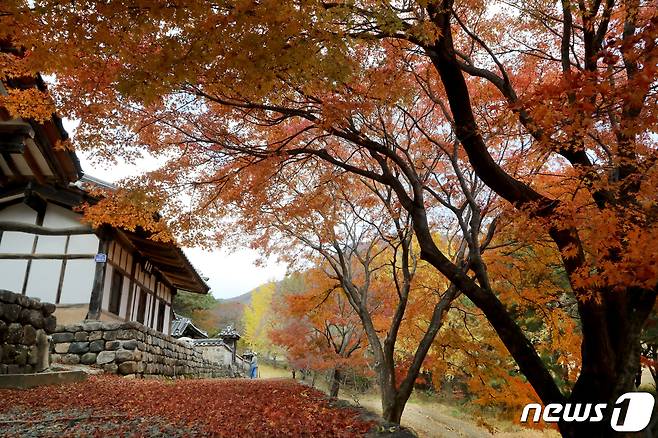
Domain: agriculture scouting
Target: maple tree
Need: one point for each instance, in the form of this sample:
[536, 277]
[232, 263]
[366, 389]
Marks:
[320, 331]
[233, 92]
[360, 237]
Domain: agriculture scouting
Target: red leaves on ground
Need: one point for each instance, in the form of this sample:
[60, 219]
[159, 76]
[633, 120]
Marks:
[211, 407]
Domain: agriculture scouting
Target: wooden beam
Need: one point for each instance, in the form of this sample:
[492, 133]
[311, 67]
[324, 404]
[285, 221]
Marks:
[12, 144]
[69, 197]
[32, 163]
[46, 147]
[96, 300]
[62, 272]
[16, 127]
[16, 256]
[36, 203]
[12, 166]
[146, 241]
[43, 231]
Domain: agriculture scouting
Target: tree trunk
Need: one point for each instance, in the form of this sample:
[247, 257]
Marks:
[392, 403]
[392, 408]
[335, 382]
[609, 372]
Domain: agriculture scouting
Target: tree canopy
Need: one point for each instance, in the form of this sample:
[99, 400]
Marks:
[547, 109]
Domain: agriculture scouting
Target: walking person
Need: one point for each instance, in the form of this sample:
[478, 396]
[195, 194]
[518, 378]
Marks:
[253, 367]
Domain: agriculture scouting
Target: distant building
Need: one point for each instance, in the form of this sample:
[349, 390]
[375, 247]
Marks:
[46, 252]
[223, 349]
[215, 350]
[183, 327]
[230, 337]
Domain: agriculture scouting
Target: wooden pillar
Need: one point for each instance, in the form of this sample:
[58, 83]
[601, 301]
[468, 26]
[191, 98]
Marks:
[96, 300]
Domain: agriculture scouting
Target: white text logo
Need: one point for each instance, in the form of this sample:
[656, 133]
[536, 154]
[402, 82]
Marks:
[639, 406]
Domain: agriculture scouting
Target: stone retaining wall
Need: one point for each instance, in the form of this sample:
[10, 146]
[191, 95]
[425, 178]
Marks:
[130, 349]
[24, 327]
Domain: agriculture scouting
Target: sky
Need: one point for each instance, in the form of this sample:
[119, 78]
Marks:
[230, 273]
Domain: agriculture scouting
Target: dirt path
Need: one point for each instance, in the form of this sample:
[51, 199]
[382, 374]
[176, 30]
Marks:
[437, 421]
[428, 419]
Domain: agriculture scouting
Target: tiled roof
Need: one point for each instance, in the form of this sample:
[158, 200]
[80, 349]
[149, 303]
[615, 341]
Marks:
[211, 342]
[229, 332]
[181, 324]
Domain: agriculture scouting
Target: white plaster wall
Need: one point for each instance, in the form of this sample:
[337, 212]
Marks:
[51, 244]
[123, 306]
[124, 260]
[137, 295]
[12, 275]
[15, 242]
[147, 317]
[216, 354]
[19, 213]
[132, 304]
[154, 323]
[60, 217]
[107, 285]
[167, 322]
[83, 244]
[44, 279]
[78, 281]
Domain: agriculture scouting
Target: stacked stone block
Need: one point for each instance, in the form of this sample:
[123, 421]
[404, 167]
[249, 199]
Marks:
[24, 327]
[130, 349]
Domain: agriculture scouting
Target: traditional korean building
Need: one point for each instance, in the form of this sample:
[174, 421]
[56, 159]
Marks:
[223, 349]
[230, 337]
[215, 350]
[46, 252]
[183, 327]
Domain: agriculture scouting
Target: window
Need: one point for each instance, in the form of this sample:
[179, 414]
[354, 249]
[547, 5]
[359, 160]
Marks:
[115, 291]
[141, 309]
[161, 314]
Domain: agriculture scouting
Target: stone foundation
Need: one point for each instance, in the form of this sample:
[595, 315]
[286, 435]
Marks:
[130, 349]
[24, 327]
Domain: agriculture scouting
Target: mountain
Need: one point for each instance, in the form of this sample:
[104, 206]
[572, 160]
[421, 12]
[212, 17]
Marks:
[245, 298]
[212, 314]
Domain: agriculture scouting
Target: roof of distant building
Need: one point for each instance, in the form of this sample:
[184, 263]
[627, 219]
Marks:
[229, 333]
[211, 342]
[183, 326]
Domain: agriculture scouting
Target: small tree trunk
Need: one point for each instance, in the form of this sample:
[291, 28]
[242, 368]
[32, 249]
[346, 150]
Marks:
[392, 409]
[335, 383]
[392, 405]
